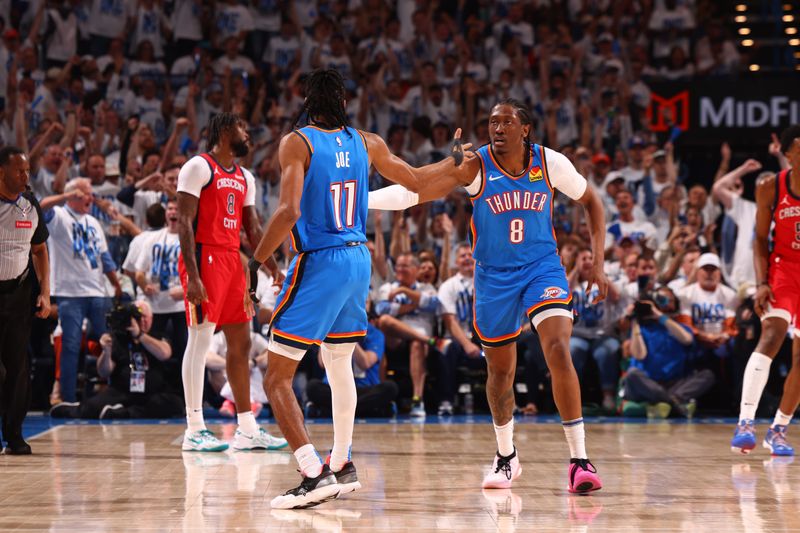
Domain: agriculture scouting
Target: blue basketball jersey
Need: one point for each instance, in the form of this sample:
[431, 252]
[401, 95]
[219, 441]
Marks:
[512, 216]
[335, 192]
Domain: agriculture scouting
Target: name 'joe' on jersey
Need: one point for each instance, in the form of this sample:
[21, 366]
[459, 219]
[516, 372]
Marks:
[512, 216]
[335, 191]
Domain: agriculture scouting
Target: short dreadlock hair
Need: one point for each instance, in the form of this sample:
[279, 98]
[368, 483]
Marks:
[220, 123]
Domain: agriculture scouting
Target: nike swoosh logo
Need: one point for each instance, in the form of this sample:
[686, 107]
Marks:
[493, 178]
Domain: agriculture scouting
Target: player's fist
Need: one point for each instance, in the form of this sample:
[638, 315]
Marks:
[762, 299]
[751, 165]
[196, 292]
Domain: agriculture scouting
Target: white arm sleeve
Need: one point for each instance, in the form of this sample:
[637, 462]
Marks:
[392, 198]
[194, 175]
[474, 187]
[250, 195]
[563, 175]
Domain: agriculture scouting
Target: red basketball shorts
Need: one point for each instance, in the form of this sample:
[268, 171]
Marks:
[222, 274]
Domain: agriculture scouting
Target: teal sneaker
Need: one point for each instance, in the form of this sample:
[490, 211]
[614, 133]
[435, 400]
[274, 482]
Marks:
[202, 441]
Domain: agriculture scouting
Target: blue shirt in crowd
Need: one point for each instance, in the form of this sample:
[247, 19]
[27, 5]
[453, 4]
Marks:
[667, 359]
[372, 342]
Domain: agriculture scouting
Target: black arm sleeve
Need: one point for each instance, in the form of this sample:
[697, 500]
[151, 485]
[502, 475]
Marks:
[41, 234]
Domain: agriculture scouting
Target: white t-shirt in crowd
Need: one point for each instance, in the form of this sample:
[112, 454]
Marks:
[743, 213]
[147, 27]
[186, 20]
[141, 201]
[76, 244]
[281, 52]
[420, 320]
[107, 18]
[638, 230]
[237, 65]
[232, 20]
[42, 182]
[159, 262]
[456, 296]
[137, 245]
[708, 310]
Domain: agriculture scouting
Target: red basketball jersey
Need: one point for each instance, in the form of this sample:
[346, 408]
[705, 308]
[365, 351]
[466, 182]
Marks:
[786, 217]
[219, 211]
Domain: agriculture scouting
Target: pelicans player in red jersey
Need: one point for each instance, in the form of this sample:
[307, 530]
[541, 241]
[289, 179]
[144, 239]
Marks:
[777, 300]
[216, 199]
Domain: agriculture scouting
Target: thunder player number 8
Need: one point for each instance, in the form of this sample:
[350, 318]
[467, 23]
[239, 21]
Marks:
[516, 230]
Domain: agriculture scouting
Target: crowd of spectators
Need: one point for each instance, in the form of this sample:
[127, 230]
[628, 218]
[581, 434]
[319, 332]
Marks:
[110, 97]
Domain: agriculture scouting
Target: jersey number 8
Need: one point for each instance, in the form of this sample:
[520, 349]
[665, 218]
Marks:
[516, 230]
[231, 207]
[349, 203]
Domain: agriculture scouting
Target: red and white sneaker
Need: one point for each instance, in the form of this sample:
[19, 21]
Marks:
[228, 409]
[583, 477]
[504, 471]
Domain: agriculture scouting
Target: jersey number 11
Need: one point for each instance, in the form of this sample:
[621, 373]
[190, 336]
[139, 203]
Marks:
[349, 207]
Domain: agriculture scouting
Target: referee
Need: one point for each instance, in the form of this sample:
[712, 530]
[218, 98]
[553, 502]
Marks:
[22, 242]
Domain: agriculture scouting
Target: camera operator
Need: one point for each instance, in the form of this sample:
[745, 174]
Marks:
[660, 371]
[132, 361]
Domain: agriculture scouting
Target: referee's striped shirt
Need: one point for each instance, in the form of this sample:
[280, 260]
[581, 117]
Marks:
[21, 225]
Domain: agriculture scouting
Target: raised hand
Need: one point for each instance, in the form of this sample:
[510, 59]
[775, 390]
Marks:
[751, 165]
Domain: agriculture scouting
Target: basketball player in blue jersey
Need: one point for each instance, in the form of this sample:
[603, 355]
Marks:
[323, 210]
[518, 272]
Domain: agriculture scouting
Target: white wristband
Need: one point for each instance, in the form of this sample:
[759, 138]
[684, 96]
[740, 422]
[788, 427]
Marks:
[393, 198]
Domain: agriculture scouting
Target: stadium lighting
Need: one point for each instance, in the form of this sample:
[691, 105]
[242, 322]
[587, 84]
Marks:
[787, 7]
[754, 68]
[788, 18]
[747, 42]
[744, 31]
[794, 42]
[741, 8]
[740, 18]
[791, 31]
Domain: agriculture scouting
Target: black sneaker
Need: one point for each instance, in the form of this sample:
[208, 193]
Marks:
[310, 492]
[347, 478]
[18, 446]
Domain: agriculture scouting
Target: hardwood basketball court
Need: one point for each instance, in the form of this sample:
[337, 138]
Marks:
[415, 477]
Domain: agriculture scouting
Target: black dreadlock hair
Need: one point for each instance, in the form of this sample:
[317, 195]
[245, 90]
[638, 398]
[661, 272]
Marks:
[788, 136]
[218, 124]
[524, 115]
[324, 103]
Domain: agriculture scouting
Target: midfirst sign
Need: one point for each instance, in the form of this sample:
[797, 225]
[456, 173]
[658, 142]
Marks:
[714, 110]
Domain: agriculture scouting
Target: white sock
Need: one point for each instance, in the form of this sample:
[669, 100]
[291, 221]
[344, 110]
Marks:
[194, 420]
[247, 423]
[309, 461]
[505, 438]
[781, 419]
[193, 371]
[338, 360]
[756, 374]
[576, 438]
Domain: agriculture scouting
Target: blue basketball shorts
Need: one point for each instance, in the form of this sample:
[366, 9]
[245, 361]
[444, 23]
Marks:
[324, 298]
[503, 296]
